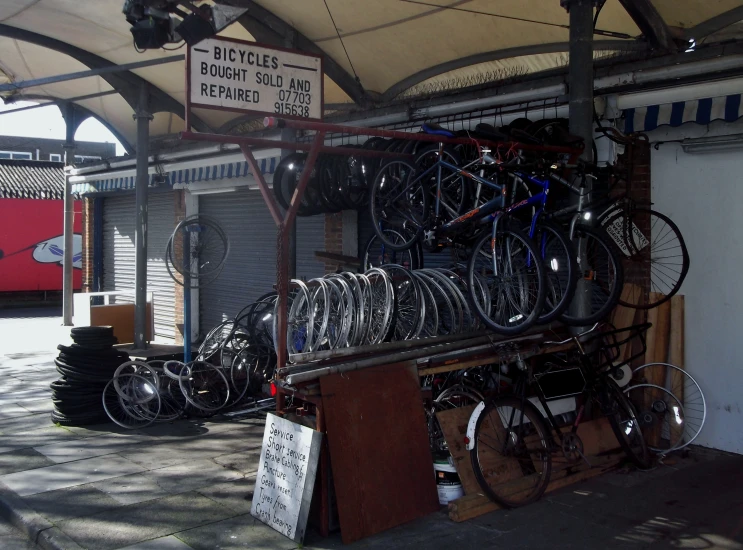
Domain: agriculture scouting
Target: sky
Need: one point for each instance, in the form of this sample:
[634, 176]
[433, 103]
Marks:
[47, 122]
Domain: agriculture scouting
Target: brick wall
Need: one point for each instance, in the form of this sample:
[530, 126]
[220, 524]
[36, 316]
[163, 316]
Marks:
[333, 238]
[180, 214]
[87, 260]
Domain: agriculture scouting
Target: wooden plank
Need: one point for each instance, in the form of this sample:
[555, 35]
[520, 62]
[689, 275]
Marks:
[623, 317]
[454, 427]
[676, 357]
[597, 436]
[471, 506]
[657, 352]
[379, 449]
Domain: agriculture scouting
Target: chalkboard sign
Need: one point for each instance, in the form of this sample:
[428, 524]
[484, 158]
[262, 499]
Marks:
[286, 476]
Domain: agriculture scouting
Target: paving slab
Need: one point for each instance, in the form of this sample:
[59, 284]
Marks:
[24, 459]
[78, 449]
[44, 405]
[236, 495]
[245, 461]
[144, 521]
[12, 539]
[238, 532]
[132, 488]
[163, 543]
[192, 475]
[26, 423]
[70, 503]
[34, 438]
[69, 474]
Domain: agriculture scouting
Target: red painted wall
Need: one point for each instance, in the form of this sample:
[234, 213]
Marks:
[31, 245]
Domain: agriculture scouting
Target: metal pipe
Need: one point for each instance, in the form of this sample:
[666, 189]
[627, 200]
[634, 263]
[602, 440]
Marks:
[289, 135]
[143, 118]
[410, 355]
[69, 219]
[580, 78]
[14, 86]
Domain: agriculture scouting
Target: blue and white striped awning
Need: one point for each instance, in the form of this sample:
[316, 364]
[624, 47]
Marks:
[701, 111]
[192, 175]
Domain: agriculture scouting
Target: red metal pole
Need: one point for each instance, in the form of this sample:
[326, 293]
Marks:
[273, 122]
[304, 179]
[273, 206]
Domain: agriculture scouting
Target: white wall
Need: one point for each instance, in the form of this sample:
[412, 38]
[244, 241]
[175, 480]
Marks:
[703, 194]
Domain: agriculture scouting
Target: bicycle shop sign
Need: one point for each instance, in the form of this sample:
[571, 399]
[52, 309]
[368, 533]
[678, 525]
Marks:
[234, 75]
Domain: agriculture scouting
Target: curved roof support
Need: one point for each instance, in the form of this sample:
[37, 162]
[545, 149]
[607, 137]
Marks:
[270, 29]
[651, 24]
[127, 83]
[717, 23]
[85, 114]
[556, 47]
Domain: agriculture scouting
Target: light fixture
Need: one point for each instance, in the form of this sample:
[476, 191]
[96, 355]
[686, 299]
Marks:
[712, 144]
[213, 191]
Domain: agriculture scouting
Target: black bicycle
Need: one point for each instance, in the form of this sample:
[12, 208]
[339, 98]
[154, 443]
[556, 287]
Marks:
[511, 446]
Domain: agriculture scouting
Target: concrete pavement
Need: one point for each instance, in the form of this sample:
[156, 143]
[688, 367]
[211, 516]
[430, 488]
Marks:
[189, 484]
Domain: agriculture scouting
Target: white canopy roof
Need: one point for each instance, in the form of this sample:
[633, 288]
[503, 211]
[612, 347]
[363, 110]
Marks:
[381, 49]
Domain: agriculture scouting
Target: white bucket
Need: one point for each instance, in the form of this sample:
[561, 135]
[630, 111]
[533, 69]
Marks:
[447, 482]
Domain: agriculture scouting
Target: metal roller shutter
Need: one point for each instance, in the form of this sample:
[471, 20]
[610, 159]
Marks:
[310, 238]
[118, 258]
[250, 269]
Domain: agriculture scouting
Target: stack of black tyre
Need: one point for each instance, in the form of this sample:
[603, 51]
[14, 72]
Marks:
[86, 367]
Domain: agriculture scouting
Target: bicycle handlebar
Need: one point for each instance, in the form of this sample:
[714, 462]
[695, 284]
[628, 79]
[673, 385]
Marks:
[590, 330]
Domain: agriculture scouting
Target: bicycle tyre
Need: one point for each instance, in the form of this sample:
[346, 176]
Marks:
[524, 314]
[509, 490]
[623, 414]
[455, 193]
[399, 173]
[552, 241]
[610, 289]
[661, 273]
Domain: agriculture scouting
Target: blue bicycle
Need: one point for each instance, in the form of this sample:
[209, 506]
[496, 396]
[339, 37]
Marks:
[515, 279]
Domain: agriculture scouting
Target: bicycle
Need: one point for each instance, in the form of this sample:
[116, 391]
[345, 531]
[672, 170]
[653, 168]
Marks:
[512, 448]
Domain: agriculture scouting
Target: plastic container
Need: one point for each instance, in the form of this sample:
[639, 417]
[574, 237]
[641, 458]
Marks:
[448, 484]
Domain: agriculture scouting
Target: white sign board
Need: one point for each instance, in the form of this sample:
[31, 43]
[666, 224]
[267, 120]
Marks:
[242, 76]
[286, 476]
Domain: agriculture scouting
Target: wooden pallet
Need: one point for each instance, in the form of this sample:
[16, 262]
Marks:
[476, 504]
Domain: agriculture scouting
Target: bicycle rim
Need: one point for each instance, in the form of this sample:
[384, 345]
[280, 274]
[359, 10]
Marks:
[603, 276]
[511, 455]
[626, 425]
[561, 270]
[655, 257]
[514, 274]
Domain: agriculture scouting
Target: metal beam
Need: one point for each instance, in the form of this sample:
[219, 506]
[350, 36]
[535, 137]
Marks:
[54, 101]
[396, 89]
[270, 29]
[13, 86]
[85, 113]
[127, 82]
[714, 24]
[143, 117]
[71, 125]
[650, 23]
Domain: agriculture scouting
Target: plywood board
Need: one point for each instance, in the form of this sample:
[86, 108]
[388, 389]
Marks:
[378, 439]
[454, 427]
[657, 352]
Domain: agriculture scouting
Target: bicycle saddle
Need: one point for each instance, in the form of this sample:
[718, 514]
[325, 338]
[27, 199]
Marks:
[435, 129]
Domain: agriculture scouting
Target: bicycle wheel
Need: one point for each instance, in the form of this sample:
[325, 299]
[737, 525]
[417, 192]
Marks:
[603, 275]
[409, 303]
[429, 323]
[514, 274]
[625, 424]
[686, 390]
[655, 257]
[398, 201]
[377, 254]
[561, 269]
[511, 456]
[382, 297]
[661, 415]
[205, 386]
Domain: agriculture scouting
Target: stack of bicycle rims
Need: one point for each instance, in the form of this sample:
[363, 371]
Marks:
[86, 366]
